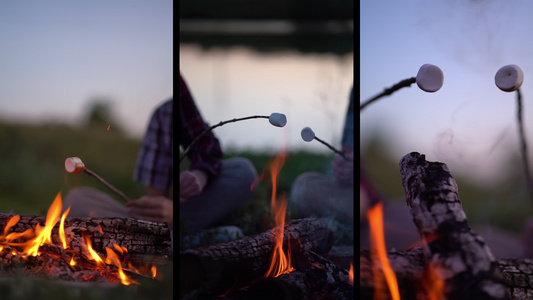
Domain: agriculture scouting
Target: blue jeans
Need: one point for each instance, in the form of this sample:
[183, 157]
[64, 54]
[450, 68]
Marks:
[225, 194]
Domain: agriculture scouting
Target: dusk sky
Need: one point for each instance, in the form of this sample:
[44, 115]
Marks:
[57, 55]
[469, 123]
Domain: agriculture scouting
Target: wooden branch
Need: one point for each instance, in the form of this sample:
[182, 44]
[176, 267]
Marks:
[139, 237]
[229, 266]
[458, 255]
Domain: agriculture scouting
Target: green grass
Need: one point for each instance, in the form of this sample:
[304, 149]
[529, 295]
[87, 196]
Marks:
[32, 160]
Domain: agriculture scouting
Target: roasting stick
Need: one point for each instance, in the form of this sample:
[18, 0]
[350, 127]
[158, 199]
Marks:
[308, 135]
[429, 79]
[75, 165]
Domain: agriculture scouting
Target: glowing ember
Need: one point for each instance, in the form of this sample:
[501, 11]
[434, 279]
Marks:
[31, 241]
[72, 262]
[112, 258]
[350, 274]
[153, 270]
[377, 244]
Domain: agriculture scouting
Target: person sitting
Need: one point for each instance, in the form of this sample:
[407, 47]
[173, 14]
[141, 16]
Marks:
[153, 168]
[317, 194]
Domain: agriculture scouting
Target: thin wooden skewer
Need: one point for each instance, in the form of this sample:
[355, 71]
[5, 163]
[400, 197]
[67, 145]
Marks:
[75, 165]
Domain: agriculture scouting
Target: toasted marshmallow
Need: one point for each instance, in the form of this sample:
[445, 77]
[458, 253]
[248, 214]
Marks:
[74, 165]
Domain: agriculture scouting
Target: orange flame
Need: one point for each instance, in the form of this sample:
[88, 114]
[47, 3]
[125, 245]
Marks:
[44, 235]
[433, 282]
[30, 241]
[112, 258]
[94, 255]
[350, 274]
[377, 243]
[281, 262]
[62, 228]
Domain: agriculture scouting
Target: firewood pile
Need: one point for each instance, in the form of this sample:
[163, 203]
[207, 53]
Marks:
[236, 270]
[453, 261]
[96, 250]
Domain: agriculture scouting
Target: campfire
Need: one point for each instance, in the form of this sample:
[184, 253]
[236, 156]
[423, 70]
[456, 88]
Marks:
[285, 262]
[452, 261]
[81, 249]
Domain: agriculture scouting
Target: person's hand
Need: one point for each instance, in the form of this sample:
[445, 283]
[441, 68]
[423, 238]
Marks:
[191, 183]
[341, 169]
[152, 208]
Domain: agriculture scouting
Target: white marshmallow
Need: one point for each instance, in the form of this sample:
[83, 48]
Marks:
[74, 165]
[429, 78]
[307, 134]
[277, 119]
[509, 78]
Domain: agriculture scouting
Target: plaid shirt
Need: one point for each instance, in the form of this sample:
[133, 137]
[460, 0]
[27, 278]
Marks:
[155, 160]
[206, 155]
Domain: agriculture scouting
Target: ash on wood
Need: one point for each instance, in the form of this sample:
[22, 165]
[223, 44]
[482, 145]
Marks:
[138, 236]
[451, 249]
[229, 266]
[409, 267]
[461, 256]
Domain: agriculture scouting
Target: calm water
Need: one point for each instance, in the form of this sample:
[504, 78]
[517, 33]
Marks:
[310, 89]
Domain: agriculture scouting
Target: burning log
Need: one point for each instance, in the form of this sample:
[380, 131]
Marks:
[138, 236]
[230, 266]
[456, 260]
[29, 247]
[458, 255]
[410, 267]
[317, 278]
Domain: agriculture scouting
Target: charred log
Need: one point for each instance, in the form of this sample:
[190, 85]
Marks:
[451, 251]
[139, 237]
[458, 254]
[410, 268]
[230, 266]
[315, 277]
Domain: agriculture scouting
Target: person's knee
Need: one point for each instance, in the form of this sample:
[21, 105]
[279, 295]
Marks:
[242, 168]
[74, 195]
[304, 183]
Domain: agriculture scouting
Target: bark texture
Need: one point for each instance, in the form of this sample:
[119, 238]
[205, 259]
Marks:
[139, 237]
[454, 251]
[410, 268]
[315, 277]
[229, 266]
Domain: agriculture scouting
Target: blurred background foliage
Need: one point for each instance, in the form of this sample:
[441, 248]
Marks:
[32, 158]
[505, 203]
